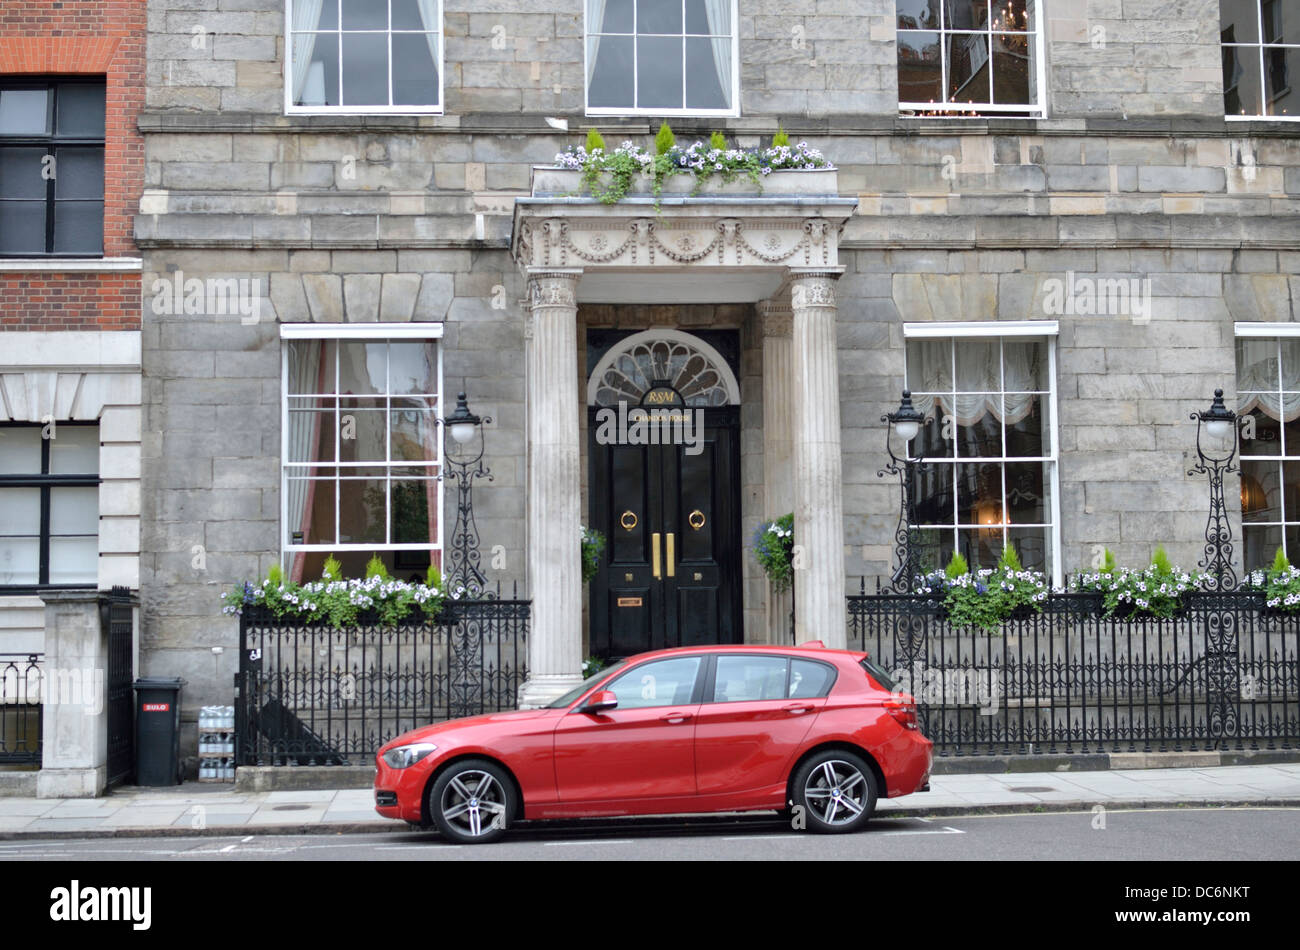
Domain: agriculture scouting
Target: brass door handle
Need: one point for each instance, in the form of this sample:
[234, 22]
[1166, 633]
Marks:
[672, 556]
[654, 555]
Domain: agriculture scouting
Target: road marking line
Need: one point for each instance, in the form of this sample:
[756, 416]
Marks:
[945, 831]
[229, 848]
[248, 839]
[561, 844]
[762, 838]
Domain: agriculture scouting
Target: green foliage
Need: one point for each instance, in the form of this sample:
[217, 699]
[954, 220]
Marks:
[1107, 561]
[1160, 561]
[719, 141]
[593, 546]
[774, 551]
[333, 569]
[595, 140]
[957, 567]
[591, 666]
[988, 597]
[275, 576]
[1156, 590]
[375, 568]
[780, 140]
[1010, 560]
[1281, 564]
[664, 140]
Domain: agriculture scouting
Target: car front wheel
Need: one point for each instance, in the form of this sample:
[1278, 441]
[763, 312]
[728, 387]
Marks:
[834, 791]
[472, 802]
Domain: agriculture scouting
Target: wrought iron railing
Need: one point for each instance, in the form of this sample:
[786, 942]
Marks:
[1222, 674]
[21, 676]
[312, 694]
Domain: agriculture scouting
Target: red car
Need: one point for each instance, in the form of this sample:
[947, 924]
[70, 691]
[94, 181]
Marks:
[815, 733]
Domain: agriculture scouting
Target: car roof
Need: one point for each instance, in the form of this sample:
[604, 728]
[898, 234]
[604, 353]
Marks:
[811, 650]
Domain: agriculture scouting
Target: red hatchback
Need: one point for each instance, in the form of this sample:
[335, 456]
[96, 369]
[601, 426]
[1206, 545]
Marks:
[815, 733]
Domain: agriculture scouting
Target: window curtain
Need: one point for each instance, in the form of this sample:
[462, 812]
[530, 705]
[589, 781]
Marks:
[429, 17]
[595, 22]
[976, 371]
[306, 16]
[1262, 374]
[306, 369]
[719, 16]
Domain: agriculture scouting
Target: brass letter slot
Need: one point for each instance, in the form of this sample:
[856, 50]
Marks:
[629, 601]
[672, 556]
[654, 556]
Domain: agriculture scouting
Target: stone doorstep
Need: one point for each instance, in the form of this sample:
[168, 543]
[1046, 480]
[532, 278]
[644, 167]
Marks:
[1106, 761]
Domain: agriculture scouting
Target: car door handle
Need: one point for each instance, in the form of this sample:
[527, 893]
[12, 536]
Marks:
[796, 708]
[675, 717]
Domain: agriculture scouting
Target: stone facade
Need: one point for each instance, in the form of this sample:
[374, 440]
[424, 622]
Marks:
[1133, 175]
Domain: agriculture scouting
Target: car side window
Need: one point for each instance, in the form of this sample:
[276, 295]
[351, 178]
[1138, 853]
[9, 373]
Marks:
[749, 678]
[809, 680]
[661, 683]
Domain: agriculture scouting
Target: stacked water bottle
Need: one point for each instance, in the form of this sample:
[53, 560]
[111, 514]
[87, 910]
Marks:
[217, 744]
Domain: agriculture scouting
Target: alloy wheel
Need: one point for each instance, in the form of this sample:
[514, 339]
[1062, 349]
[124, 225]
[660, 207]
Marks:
[836, 791]
[474, 803]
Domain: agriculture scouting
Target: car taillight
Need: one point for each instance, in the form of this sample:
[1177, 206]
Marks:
[903, 712]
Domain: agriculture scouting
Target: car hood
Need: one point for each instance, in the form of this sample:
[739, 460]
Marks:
[468, 723]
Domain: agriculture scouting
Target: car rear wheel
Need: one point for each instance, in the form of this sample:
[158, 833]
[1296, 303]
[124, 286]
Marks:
[835, 791]
[472, 802]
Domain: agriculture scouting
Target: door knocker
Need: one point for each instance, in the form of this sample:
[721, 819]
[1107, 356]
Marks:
[696, 519]
[628, 520]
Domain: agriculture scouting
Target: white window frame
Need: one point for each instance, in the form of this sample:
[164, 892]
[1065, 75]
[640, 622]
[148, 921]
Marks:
[291, 109]
[1263, 68]
[1278, 332]
[952, 110]
[733, 112]
[1048, 331]
[371, 332]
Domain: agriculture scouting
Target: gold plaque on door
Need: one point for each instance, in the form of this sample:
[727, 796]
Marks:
[629, 601]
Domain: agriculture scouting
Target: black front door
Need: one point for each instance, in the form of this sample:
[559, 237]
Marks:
[670, 575]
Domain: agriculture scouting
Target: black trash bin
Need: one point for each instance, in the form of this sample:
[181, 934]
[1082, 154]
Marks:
[158, 731]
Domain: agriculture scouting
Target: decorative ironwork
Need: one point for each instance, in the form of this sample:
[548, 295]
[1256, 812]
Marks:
[311, 694]
[1222, 674]
[906, 544]
[463, 575]
[1217, 562]
[117, 614]
[21, 677]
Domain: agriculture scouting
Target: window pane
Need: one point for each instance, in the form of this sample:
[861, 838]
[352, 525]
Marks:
[749, 678]
[311, 510]
[79, 173]
[415, 69]
[929, 366]
[22, 227]
[708, 73]
[1260, 543]
[1239, 21]
[363, 511]
[24, 111]
[618, 16]
[918, 14]
[406, 15]
[1034, 545]
[661, 683]
[934, 549]
[74, 560]
[982, 438]
[1012, 67]
[74, 511]
[365, 15]
[79, 227]
[1012, 15]
[80, 110]
[981, 547]
[809, 680]
[1257, 365]
[979, 368]
[1261, 434]
[20, 560]
[920, 77]
[1027, 437]
[698, 22]
[365, 69]
[1271, 15]
[659, 72]
[413, 502]
[363, 436]
[20, 511]
[311, 435]
[21, 173]
[363, 368]
[1261, 495]
[611, 80]
[413, 368]
[1291, 491]
[306, 372]
[659, 16]
[316, 69]
[1280, 67]
[20, 451]
[966, 14]
[1027, 493]
[415, 435]
[1289, 349]
[74, 450]
[968, 57]
[932, 493]
[1241, 81]
[979, 494]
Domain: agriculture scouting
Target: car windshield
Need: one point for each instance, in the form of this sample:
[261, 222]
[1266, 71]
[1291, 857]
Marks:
[586, 684]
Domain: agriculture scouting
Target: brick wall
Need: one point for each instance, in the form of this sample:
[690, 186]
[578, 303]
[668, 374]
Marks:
[40, 39]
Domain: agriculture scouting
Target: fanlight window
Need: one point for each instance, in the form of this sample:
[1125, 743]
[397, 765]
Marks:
[646, 362]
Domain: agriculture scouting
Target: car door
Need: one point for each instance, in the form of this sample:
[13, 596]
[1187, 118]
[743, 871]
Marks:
[756, 712]
[644, 747]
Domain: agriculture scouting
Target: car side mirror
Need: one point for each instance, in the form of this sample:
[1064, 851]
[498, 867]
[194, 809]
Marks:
[600, 702]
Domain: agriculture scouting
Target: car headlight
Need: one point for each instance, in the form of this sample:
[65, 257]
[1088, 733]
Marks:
[404, 756]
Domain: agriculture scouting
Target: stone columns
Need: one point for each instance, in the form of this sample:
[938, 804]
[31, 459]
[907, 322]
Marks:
[778, 449]
[820, 609]
[554, 488]
[74, 730]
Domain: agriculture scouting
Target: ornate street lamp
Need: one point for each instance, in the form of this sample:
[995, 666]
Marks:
[905, 422]
[1219, 423]
[463, 577]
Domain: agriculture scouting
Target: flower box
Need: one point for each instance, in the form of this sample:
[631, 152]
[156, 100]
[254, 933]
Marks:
[550, 181]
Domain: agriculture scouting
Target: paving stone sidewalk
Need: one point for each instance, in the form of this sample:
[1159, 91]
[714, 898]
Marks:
[217, 809]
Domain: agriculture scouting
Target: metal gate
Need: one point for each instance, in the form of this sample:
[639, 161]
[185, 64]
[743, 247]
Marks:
[117, 614]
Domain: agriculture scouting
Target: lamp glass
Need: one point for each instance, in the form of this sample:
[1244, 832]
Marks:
[462, 432]
[1219, 428]
[907, 429]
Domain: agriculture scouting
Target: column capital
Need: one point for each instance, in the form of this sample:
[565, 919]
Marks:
[553, 286]
[813, 287]
[776, 317]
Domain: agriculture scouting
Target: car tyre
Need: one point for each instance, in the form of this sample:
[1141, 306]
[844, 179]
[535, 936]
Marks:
[834, 792]
[472, 801]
